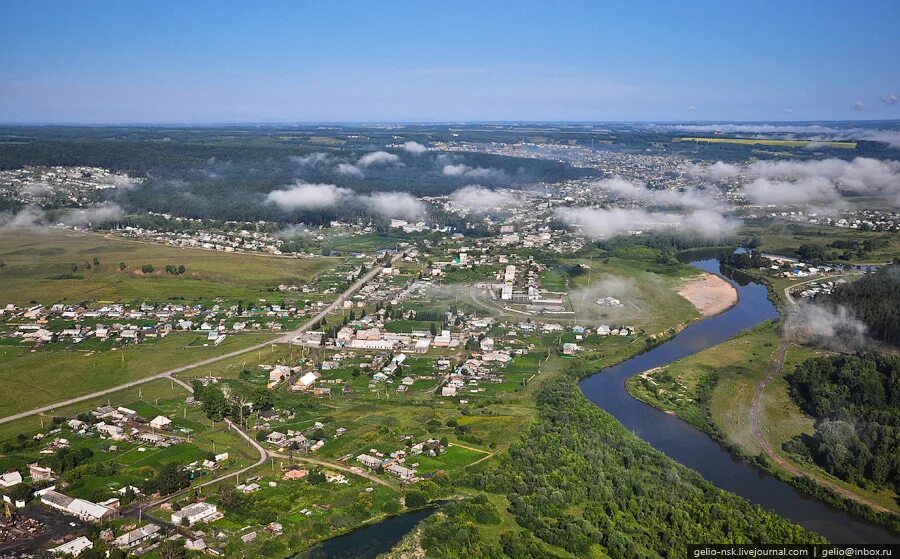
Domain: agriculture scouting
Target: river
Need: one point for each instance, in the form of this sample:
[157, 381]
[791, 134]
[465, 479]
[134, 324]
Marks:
[699, 452]
[369, 541]
[669, 434]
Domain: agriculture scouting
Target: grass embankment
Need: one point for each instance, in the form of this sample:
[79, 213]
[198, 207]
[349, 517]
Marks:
[34, 258]
[713, 390]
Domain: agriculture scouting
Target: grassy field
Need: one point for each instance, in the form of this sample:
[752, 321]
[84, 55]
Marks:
[34, 257]
[784, 239]
[713, 390]
[47, 376]
[649, 299]
[769, 142]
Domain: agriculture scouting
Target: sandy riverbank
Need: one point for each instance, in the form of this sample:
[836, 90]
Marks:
[709, 294]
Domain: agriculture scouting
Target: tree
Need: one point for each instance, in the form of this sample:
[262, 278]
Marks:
[262, 399]
[415, 500]
[315, 477]
[214, 403]
[171, 549]
[122, 265]
[230, 498]
[171, 478]
[147, 269]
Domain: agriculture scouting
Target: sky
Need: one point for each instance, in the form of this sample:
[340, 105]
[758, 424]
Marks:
[162, 61]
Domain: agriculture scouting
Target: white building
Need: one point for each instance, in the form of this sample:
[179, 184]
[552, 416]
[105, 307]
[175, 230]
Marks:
[137, 536]
[194, 513]
[509, 276]
[10, 479]
[74, 547]
[161, 422]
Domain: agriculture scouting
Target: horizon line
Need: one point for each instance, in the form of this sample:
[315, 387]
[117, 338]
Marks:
[449, 122]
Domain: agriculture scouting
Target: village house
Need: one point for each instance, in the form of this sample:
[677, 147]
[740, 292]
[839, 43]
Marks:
[39, 473]
[161, 422]
[402, 472]
[137, 536]
[9, 479]
[295, 474]
[74, 547]
[368, 461]
[194, 513]
[85, 510]
[305, 381]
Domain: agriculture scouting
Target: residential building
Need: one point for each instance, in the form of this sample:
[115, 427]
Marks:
[74, 547]
[194, 513]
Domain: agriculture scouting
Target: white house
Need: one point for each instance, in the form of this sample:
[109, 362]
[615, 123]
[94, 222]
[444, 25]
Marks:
[74, 547]
[161, 422]
[10, 479]
[137, 536]
[305, 381]
[193, 513]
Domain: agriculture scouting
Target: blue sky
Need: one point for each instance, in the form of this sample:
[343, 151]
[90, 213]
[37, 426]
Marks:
[221, 61]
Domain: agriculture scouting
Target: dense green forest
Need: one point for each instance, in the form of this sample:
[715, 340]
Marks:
[875, 299]
[856, 401]
[584, 486]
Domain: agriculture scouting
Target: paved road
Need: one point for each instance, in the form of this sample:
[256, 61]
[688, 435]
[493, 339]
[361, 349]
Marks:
[286, 338]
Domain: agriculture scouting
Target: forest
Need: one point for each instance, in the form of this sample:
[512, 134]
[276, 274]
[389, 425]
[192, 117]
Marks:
[856, 402]
[581, 485]
[874, 299]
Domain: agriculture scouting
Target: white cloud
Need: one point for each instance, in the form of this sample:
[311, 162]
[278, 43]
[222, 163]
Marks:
[415, 148]
[600, 223]
[813, 190]
[889, 99]
[35, 217]
[478, 199]
[308, 196]
[378, 158]
[93, 215]
[27, 217]
[311, 160]
[718, 170]
[827, 325]
[637, 191]
[349, 170]
[859, 106]
[400, 205]
[474, 173]
[861, 175]
[811, 181]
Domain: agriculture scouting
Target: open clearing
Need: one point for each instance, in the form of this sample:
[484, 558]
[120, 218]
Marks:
[39, 267]
[48, 376]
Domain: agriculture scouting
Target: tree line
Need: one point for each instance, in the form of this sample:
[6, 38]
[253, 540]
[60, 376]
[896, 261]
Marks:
[875, 299]
[856, 403]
